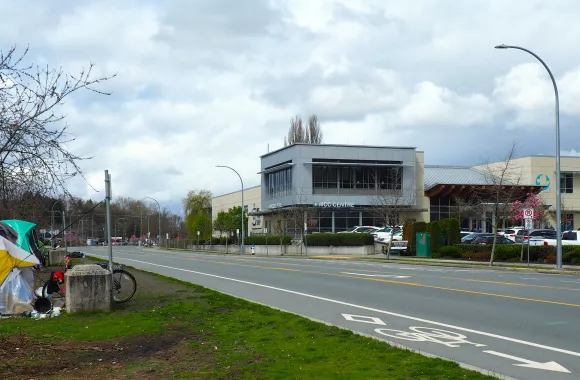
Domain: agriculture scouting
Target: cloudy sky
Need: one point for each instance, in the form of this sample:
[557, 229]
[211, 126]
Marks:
[207, 82]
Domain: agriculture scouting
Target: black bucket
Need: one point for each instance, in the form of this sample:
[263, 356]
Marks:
[43, 305]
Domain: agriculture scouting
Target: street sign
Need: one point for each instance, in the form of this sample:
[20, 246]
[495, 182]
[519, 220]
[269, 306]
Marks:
[529, 224]
[528, 213]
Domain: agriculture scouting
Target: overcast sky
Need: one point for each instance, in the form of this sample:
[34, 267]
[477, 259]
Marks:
[207, 82]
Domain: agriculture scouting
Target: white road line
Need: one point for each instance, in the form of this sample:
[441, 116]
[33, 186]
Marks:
[376, 275]
[496, 336]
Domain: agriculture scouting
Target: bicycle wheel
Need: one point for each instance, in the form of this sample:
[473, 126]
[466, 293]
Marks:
[124, 285]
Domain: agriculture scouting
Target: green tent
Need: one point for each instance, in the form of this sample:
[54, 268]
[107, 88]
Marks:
[24, 229]
[27, 239]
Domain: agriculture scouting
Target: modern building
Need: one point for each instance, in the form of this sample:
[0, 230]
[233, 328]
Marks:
[541, 171]
[335, 187]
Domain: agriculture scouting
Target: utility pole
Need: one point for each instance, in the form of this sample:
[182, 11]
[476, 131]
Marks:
[108, 212]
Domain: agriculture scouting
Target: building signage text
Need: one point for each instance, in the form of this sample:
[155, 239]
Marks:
[334, 204]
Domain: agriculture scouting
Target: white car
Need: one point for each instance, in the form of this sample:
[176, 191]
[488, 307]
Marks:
[511, 232]
[384, 234]
[361, 229]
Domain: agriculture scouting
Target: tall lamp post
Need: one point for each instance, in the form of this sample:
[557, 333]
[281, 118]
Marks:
[243, 247]
[52, 220]
[116, 225]
[159, 219]
[557, 115]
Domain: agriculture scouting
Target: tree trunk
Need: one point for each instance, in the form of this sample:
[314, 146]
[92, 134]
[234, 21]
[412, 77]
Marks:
[493, 245]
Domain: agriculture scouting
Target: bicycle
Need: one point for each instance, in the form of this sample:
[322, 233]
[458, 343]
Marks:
[56, 286]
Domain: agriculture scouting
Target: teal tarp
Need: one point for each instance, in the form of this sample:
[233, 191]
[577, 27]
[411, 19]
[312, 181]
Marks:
[23, 228]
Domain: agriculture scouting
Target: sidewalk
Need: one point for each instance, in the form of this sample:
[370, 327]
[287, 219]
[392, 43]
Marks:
[517, 267]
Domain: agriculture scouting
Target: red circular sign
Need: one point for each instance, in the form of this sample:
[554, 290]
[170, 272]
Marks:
[528, 212]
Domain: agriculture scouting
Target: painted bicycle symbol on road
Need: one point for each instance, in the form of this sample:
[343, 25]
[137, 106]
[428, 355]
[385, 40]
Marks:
[428, 334]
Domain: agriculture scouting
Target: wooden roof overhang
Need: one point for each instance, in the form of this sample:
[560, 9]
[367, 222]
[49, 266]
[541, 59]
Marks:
[448, 190]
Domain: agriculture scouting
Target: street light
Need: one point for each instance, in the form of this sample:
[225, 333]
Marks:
[52, 220]
[159, 219]
[557, 114]
[243, 247]
[116, 224]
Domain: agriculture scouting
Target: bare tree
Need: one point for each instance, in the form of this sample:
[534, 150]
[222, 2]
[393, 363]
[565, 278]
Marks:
[464, 206]
[503, 187]
[299, 133]
[392, 203]
[298, 214]
[314, 129]
[33, 136]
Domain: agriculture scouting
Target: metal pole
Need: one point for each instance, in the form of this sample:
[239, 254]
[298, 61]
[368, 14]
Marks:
[243, 247]
[52, 220]
[108, 222]
[158, 219]
[64, 229]
[558, 191]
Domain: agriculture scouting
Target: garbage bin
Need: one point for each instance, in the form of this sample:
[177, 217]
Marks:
[423, 243]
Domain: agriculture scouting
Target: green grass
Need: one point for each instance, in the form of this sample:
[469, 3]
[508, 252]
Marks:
[228, 338]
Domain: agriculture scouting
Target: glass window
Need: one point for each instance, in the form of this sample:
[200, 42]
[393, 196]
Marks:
[279, 183]
[332, 177]
[346, 178]
[567, 183]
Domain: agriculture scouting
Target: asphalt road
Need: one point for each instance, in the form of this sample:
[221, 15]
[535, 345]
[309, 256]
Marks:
[519, 325]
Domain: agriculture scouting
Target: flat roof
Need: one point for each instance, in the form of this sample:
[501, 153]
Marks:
[237, 191]
[340, 146]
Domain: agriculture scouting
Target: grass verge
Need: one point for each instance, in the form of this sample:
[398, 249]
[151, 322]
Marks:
[173, 329]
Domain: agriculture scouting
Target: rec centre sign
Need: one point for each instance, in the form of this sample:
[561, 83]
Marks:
[334, 204]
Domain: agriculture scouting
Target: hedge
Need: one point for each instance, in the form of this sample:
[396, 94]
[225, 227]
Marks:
[339, 240]
[572, 257]
[511, 252]
[268, 240]
[449, 251]
[435, 232]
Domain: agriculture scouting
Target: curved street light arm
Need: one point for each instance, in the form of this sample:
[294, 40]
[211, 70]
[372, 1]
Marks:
[557, 114]
[243, 247]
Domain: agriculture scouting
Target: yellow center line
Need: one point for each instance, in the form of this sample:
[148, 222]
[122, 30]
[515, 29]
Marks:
[442, 277]
[415, 284]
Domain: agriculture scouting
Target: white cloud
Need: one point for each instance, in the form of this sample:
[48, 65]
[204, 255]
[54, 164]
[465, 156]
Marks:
[215, 81]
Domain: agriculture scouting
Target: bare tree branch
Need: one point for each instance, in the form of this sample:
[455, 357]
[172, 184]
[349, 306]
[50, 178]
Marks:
[33, 137]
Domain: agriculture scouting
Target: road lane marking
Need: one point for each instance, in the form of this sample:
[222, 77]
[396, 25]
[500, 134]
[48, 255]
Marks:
[364, 319]
[375, 310]
[416, 284]
[547, 366]
[450, 339]
[376, 275]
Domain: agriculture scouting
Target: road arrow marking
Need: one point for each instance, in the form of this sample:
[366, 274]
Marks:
[547, 366]
[376, 275]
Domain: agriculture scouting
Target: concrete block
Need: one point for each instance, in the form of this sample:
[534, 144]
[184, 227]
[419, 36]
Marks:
[55, 256]
[88, 289]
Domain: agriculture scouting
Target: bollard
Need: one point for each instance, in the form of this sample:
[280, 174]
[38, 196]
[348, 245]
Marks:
[88, 289]
[253, 249]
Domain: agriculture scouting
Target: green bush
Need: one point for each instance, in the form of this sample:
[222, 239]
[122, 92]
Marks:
[339, 240]
[569, 256]
[453, 235]
[435, 232]
[506, 252]
[575, 260]
[268, 240]
[450, 251]
[217, 241]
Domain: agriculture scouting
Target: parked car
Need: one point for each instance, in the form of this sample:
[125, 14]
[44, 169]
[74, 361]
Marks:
[384, 234]
[488, 239]
[469, 238]
[523, 235]
[568, 238]
[511, 232]
[361, 229]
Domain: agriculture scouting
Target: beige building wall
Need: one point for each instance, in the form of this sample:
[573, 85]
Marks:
[535, 170]
[252, 199]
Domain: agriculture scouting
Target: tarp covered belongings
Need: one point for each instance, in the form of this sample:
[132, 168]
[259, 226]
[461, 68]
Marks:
[16, 278]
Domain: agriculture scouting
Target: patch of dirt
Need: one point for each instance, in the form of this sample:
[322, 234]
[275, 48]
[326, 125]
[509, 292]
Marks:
[22, 358]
